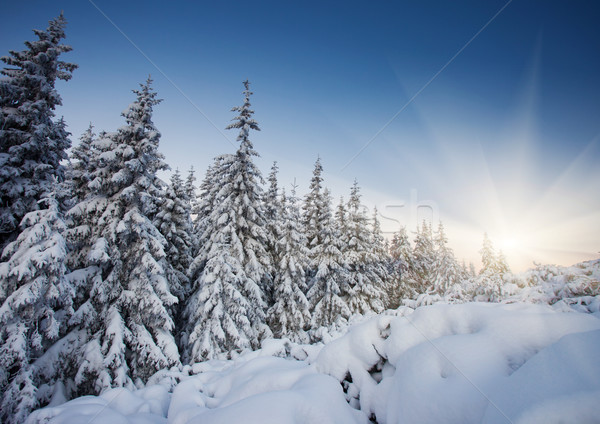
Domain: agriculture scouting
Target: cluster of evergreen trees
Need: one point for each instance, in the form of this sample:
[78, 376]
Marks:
[109, 275]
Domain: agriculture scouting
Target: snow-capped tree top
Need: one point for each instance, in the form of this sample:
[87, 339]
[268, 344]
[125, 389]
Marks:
[440, 239]
[400, 242]
[140, 112]
[354, 200]
[81, 152]
[488, 254]
[378, 239]
[190, 188]
[244, 120]
[39, 60]
[317, 179]
[273, 191]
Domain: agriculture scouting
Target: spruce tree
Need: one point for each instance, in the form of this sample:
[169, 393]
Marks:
[206, 202]
[124, 301]
[446, 271]
[289, 316]
[488, 255]
[36, 301]
[501, 263]
[366, 283]
[190, 187]
[341, 222]
[175, 223]
[381, 263]
[423, 258]
[226, 311]
[404, 283]
[32, 145]
[489, 282]
[192, 196]
[274, 224]
[79, 170]
[329, 286]
[314, 218]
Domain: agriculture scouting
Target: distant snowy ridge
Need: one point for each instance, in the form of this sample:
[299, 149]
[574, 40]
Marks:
[481, 362]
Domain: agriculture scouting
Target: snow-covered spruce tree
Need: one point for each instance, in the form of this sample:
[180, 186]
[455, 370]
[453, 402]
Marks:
[83, 181]
[404, 284]
[226, 311]
[36, 303]
[341, 222]
[423, 258]
[366, 284]
[206, 202]
[489, 282]
[32, 145]
[314, 218]
[190, 190]
[190, 187]
[124, 278]
[175, 223]
[289, 316]
[502, 264]
[79, 171]
[274, 224]
[446, 271]
[329, 286]
[488, 255]
[381, 265]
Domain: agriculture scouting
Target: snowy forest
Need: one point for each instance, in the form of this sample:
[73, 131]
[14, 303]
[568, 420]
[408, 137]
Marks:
[112, 279]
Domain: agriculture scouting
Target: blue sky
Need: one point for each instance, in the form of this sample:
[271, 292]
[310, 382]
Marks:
[505, 140]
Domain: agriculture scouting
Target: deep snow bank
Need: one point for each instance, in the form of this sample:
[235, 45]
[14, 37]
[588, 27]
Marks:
[465, 363]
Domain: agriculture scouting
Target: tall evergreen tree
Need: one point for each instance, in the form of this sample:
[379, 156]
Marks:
[329, 286]
[32, 145]
[404, 284]
[488, 255]
[341, 222]
[489, 282]
[36, 303]
[274, 224]
[445, 270]
[501, 263]
[314, 216]
[381, 264]
[207, 201]
[125, 296]
[227, 309]
[79, 171]
[289, 316]
[192, 202]
[423, 258]
[366, 283]
[175, 223]
[190, 187]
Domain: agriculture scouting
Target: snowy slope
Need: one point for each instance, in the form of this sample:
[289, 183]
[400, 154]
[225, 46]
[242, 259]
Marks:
[461, 363]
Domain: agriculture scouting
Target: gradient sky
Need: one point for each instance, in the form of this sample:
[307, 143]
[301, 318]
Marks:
[506, 139]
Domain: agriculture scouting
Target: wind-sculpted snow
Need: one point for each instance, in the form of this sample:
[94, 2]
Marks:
[464, 363]
[447, 363]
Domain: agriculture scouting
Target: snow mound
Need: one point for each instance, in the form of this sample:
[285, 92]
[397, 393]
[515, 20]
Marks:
[461, 363]
[462, 356]
[561, 384]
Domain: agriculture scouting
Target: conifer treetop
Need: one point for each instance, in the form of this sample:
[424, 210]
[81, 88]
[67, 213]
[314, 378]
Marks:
[140, 112]
[244, 120]
[48, 45]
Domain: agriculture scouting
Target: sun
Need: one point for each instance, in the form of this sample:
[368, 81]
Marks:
[510, 243]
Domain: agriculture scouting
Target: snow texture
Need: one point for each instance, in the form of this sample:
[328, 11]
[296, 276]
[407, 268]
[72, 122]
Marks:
[479, 362]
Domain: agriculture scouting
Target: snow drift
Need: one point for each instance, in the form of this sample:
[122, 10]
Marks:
[465, 363]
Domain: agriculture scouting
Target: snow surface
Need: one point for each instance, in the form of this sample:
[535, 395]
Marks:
[461, 363]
